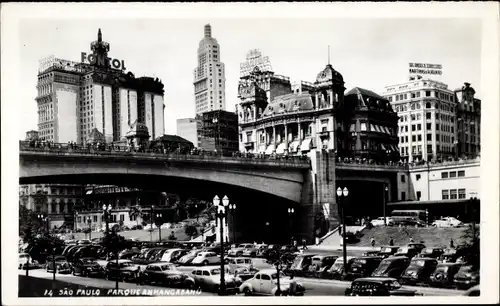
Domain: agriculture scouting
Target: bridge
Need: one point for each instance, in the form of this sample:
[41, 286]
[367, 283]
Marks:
[264, 186]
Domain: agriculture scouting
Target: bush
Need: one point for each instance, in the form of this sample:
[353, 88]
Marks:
[86, 230]
[190, 230]
[144, 223]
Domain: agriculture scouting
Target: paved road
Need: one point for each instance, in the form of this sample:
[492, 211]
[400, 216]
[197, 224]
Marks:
[314, 287]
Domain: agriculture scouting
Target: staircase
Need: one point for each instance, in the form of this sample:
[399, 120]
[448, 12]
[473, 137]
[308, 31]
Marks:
[335, 239]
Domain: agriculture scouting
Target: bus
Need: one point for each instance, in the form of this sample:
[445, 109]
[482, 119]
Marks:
[410, 214]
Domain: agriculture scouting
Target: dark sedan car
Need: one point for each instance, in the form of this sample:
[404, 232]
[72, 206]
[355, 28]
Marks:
[166, 274]
[377, 286]
[466, 277]
[387, 251]
[392, 267]
[87, 267]
[61, 265]
[125, 270]
[431, 252]
[362, 267]
[444, 273]
[419, 270]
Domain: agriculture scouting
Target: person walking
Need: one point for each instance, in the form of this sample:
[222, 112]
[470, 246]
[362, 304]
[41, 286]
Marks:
[373, 242]
[292, 289]
[391, 242]
[304, 244]
[452, 244]
[411, 239]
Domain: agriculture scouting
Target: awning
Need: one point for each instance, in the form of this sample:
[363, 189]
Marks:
[383, 147]
[352, 128]
[306, 144]
[394, 148]
[262, 149]
[372, 128]
[294, 146]
[386, 130]
[88, 192]
[270, 149]
[281, 148]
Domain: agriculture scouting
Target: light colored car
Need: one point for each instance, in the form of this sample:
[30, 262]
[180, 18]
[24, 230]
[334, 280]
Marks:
[238, 262]
[265, 282]
[188, 258]
[206, 258]
[447, 222]
[380, 221]
[209, 279]
[253, 252]
[26, 262]
[169, 254]
[238, 251]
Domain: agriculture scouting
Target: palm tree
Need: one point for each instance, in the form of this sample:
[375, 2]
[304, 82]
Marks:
[136, 211]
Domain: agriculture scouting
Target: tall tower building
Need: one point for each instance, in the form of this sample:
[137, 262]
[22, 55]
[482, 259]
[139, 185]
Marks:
[209, 77]
[468, 140]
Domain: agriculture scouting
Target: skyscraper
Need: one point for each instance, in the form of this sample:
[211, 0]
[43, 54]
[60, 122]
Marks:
[209, 77]
[76, 98]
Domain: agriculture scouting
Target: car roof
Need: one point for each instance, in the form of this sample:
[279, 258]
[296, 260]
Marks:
[374, 279]
[395, 258]
[450, 264]
[120, 261]
[424, 258]
[267, 271]
[241, 258]
[206, 268]
[368, 257]
[161, 264]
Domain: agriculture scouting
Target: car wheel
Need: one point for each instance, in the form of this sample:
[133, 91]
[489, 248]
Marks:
[247, 291]
[205, 262]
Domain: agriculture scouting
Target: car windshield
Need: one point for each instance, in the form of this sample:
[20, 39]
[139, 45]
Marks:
[242, 246]
[193, 252]
[418, 263]
[166, 267]
[360, 261]
[466, 269]
[442, 268]
[386, 250]
[125, 264]
[24, 256]
[392, 285]
[383, 265]
[87, 261]
[428, 251]
[403, 250]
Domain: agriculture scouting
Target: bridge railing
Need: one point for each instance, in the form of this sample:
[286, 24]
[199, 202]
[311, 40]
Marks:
[363, 162]
[112, 150]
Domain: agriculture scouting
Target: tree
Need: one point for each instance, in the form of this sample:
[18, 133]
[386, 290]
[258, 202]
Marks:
[29, 224]
[136, 211]
[190, 230]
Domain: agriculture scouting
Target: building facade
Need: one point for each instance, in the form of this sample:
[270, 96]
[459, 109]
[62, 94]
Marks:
[427, 119]
[209, 76]
[74, 98]
[468, 140]
[219, 131]
[57, 201]
[187, 128]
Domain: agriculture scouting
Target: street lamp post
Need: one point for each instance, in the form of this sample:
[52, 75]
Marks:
[151, 216]
[473, 201]
[342, 195]
[106, 209]
[89, 222]
[76, 223]
[221, 215]
[386, 198]
[290, 215]
[159, 216]
[45, 219]
[232, 208]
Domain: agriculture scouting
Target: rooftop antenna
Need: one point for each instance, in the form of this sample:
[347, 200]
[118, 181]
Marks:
[328, 54]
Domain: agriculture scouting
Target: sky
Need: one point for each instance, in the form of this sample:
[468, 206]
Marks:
[369, 53]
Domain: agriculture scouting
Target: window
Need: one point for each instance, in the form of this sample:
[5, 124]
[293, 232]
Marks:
[427, 115]
[427, 93]
[419, 195]
[429, 137]
[403, 178]
[417, 177]
[406, 128]
[95, 218]
[461, 173]
[453, 194]
[403, 196]
[79, 219]
[429, 126]
[429, 148]
[437, 127]
[419, 138]
[445, 195]
[461, 193]
[413, 127]
[444, 175]
[413, 138]
[122, 217]
[419, 127]
[453, 174]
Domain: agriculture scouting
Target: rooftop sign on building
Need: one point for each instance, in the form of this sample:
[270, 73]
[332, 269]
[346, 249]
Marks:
[255, 59]
[428, 69]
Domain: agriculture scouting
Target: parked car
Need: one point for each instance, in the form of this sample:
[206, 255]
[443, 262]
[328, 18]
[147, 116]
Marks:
[26, 262]
[188, 258]
[125, 270]
[380, 221]
[372, 253]
[363, 267]
[166, 274]
[431, 252]
[378, 286]
[419, 270]
[238, 251]
[172, 255]
[408, 252]
[252, 252]
[473, 291]
[270, 251]
[350, 238]
[236, 263]
[87, 267]
[444, 273]
[264, 282]
[391, 267]
[337, 269]
[62, 265]
[320, 264]
[386, 251]
[466, 277]
[288, 249]
[209, 279]
[449, 255]
[300, 265]
[206, 258]
[447, 222]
